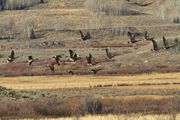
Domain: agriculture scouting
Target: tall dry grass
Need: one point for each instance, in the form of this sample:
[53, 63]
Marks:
[80, 106]
[108, 7]
[119, 117]
[168, 10]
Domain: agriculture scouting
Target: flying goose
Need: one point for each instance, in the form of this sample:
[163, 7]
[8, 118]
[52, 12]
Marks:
[85, 37]
[166, 44]
[11, 58]
[51, 67]
[132, 38]
[89, 59]
[71, 52]
[155, 46]
[94, 71]
[147, 37]
[109, 54]
[30, 60]
[73, 55]
[57, 59]
[71, 72]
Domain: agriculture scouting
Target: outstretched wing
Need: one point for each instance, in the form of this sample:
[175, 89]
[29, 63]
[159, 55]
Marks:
[81, 33]
[146, 35]
[130, 34]
[155, 46]
[90, 58]
[58, 56]
[165, 42]
[107, 52]
[71, 53]
[12, 54]
[75, 57]
[51, 66]
[88, 36]
[30, 57]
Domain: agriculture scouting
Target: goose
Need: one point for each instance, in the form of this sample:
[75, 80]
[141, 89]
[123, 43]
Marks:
[95, 71]
[132, 38]
[155, 46]
[85, 37]
[73, 56]
[51, 67]
[166, 44]
[89, 59]
[30, 60]
[147, 36]
[57, 59]
[71, 52]
[109, 54]
[71, 72]
[12, 57]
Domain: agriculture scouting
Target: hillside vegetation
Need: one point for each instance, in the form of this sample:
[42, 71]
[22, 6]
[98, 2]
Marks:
[73, 58]
[43, 30]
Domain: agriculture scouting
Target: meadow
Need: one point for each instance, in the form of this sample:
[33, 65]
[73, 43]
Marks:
[155, 80]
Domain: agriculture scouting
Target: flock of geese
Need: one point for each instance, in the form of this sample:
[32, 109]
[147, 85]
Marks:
[155, 45]
[74, 56]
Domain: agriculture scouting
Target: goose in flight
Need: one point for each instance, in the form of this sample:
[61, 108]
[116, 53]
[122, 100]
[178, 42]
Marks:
[166, 44]
[96, 70]
[73, 56]
[147, 36]
[109, 54]
[89, 59]
[12, 57]
[155, 46]
[85, 37]
[57, 59]
[132, 38]
[51, 67]
[30, 60]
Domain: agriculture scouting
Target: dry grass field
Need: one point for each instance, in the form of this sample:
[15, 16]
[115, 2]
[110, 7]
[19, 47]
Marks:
[152, 81]
[117, 117]
[136, 84]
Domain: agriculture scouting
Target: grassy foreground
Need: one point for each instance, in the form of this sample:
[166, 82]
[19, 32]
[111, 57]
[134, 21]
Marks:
[122, 117]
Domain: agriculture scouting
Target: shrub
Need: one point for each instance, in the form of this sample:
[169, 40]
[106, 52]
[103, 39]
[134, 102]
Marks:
[92, 105]
[54, 107]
